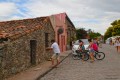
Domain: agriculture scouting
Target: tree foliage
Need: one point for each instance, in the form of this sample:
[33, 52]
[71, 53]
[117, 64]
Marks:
[108, 33]
[93, 35]
[114, 30]
[81, 33]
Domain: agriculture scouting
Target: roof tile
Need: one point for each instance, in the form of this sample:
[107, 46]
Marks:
[16, 28]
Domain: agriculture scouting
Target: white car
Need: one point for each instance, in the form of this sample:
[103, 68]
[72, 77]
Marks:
[76, 45]
[107, 41]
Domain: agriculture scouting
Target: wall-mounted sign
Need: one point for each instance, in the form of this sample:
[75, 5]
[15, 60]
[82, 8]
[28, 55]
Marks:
[60, 30]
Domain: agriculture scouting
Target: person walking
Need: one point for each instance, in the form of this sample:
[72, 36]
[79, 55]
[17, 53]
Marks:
[116, 44]
[110, 41]
[119, 44]
[101, 41]
[56, 55]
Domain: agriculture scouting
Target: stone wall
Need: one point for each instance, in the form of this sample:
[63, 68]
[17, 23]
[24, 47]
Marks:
[1, 60]
[71, 33]
[17, 52]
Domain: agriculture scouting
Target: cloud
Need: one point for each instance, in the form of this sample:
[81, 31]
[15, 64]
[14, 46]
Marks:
[90, 14]
[105, 5]
[11, 10]
[40, 8]
[7, 9]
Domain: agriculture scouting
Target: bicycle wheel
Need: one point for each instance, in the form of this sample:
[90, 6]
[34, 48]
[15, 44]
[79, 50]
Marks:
[99, 55]
[86, 57]
[75, 57]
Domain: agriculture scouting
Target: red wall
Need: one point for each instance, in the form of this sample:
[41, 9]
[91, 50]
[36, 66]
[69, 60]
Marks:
[60, 23]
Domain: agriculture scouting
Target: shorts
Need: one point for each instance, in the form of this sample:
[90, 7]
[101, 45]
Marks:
[56, 56]
[115, 44]
[91, 51]
[119, 44]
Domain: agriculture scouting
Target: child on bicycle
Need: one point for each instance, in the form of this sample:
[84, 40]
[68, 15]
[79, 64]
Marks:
[81, 48]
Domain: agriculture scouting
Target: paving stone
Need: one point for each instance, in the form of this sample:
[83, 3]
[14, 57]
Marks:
[107, 69]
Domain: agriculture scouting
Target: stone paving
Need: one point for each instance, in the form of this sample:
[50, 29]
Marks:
[107, 69]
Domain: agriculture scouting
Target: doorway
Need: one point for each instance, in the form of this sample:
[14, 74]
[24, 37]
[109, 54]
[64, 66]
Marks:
[33, 46]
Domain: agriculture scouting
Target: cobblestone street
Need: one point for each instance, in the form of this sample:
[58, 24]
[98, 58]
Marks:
[107, 69]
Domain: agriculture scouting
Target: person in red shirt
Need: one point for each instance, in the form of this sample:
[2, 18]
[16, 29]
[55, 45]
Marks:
[91, 49]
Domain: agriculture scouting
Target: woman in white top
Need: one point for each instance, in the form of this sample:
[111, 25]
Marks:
[116, 43]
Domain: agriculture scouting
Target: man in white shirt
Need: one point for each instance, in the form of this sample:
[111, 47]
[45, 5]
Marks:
[56, 51]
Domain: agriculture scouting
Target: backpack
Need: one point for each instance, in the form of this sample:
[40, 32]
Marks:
[95, 47]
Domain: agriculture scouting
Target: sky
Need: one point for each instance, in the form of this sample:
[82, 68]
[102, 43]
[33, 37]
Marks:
[89, 14]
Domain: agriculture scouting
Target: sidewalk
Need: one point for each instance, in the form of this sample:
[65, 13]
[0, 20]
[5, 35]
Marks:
[38, 71]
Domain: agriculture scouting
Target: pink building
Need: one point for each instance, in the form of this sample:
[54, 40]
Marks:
[64, 30]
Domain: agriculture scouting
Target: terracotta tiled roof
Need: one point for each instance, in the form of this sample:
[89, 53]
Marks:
[10, 29]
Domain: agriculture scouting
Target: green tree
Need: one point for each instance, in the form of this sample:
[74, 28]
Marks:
[81, 33]
[114, 30]
[94, 35]
[114, 23]
[108, 33]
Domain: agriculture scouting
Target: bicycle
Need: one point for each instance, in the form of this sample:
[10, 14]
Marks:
[98, 55]
[80, 54]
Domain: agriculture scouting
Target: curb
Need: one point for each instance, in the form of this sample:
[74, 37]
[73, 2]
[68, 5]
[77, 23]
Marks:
[46, 72]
